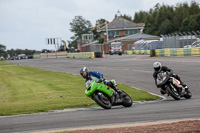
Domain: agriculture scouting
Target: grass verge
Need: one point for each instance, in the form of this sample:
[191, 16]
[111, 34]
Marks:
[2, 63]
[30, 90]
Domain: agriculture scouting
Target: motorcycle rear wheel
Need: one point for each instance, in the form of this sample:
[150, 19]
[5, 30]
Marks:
[173, 93]
[102, 100]
[127, 101]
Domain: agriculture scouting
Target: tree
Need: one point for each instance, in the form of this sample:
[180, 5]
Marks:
[185, 25]
[16, 52]
[198, 21]
[139, 17]
[165, 27]
[99, 24]
[2, 50]
[2, 47]
[127, 17]
[79, 26]
[164, 19]
[194, 8]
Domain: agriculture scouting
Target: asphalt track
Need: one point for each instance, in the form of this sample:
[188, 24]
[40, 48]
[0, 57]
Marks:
[133, 70]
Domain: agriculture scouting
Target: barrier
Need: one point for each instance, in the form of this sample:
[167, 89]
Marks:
[61, 54]
[81, 55]
[129, 52]
[147, 52]
[68, 55]
[177, 52]
[36, 56]
[168, 52]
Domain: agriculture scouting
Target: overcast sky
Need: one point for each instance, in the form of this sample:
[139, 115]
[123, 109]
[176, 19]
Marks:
[25, 24]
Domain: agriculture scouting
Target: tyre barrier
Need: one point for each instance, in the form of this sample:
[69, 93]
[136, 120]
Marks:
[146, 52]
[177, 52]
[168, 52]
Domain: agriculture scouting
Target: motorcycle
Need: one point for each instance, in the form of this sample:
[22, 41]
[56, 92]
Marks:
[105, 96]
[172, 86]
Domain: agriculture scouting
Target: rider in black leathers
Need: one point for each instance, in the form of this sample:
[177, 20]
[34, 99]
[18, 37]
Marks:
[158, 67]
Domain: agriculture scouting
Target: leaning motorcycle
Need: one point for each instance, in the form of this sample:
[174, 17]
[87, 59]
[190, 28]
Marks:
[172, 86]
[104, 95]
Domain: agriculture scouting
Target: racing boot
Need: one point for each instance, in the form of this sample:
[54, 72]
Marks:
[181, 82]
[117, 97]
[162, 92]
[117, 90]
[182, 90]
[186, 87]
[183, 87]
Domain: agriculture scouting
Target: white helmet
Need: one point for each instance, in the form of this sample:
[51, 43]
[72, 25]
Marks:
[157, 66]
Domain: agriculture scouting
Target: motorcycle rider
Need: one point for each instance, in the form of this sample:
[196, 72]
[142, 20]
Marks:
[90, 75]
[158, 67]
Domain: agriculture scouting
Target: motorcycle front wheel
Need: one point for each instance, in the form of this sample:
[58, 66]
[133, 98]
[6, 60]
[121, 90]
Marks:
[126, 100]
[102, 100]
[188, 95]
[172, 91]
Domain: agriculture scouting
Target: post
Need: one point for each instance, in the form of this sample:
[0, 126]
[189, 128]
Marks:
[107, 31]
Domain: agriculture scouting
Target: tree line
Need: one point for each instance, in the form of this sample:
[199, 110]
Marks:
[165, 19]
[159, 20]
[15, 52]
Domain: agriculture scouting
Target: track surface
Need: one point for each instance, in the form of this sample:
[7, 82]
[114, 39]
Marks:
[133, 70]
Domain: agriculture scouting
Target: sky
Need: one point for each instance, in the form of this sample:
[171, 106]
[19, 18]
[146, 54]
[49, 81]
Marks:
[25, 24]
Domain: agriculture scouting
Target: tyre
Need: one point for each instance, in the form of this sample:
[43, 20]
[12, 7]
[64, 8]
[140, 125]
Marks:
[173, 92]
[102, 100]
[188, 95]
[126, 100]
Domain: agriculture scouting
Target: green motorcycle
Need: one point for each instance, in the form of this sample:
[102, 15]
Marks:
[107, 97]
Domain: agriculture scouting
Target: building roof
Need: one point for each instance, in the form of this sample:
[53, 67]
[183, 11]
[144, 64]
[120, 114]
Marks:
[94, 42]
[137, 36]
[121, 23]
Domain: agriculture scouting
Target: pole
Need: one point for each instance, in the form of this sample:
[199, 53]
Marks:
[107, 31]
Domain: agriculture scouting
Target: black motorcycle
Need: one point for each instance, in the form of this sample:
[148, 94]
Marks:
[172, 86]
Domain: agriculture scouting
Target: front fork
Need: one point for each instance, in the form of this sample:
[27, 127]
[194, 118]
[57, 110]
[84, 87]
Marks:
[179, 90]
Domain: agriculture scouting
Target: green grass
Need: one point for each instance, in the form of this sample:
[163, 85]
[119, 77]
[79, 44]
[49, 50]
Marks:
[2, 63]
[26, 89]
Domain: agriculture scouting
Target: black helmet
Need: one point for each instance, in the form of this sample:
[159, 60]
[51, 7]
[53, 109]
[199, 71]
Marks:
[84, 72]
[157, 66]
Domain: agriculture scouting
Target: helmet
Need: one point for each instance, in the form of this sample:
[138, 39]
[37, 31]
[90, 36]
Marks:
[84, 72]
[157, 66]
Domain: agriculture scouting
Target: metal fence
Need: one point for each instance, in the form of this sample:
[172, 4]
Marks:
[181, 40]
[148, 45]
[95, 48]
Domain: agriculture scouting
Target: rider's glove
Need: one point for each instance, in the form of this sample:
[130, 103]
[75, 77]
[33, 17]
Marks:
[99, 80]
[171, 74]
[105, 82]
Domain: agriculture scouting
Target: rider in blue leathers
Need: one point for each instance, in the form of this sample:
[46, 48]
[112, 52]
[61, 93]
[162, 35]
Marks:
[91, 75]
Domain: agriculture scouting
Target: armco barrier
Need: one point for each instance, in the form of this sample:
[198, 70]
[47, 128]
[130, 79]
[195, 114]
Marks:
[81, 55]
